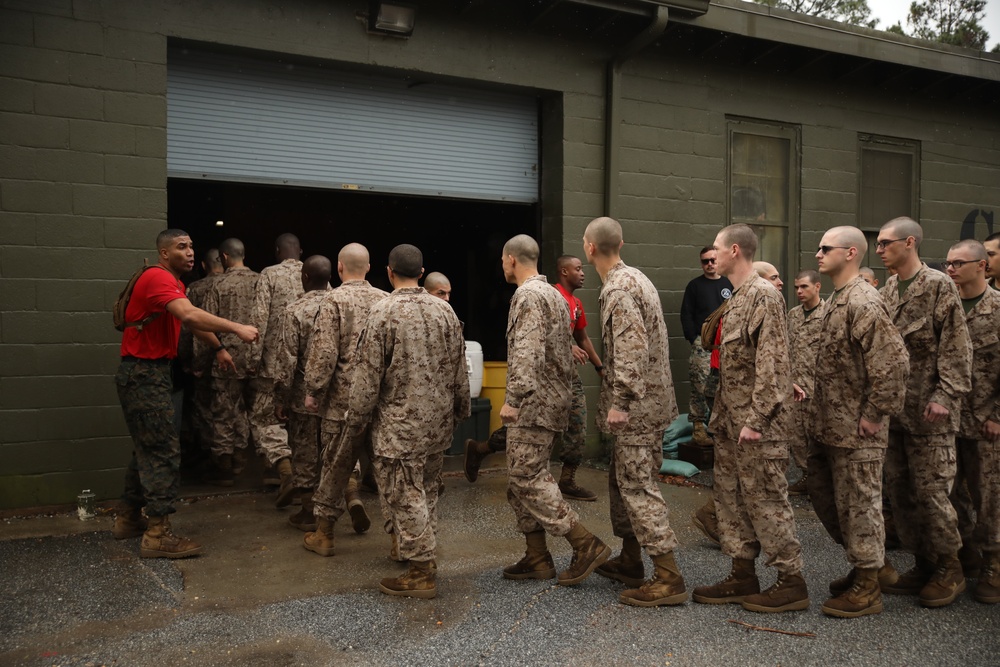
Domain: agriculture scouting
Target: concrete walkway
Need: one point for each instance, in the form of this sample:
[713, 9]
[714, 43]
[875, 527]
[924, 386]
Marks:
[71, 595]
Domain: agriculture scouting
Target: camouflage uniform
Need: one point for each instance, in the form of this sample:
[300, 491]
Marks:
[410, 381]
[979, 459]
[539, 372]
[751, 491]
[277, 287]
[920, 463]
[702, 381]
[803, 335]
[201, 401]
[327, 377]
[297, 328]
[860, 371]
[636, 380]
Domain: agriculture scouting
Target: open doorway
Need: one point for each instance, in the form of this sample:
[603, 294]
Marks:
[461, 238]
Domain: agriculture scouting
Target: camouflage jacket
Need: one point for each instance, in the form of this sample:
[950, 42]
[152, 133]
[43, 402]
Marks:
[755, 374]
[410, 380]
[196, 294]
[278, 286]
[637, 376]
[331, 350]
[861, 368]
[539, 356]
[983, 402]
[231, 297]
[931, 321]
[297, 329]
[803, 335]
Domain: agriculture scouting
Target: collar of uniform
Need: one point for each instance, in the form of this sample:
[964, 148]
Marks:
[839, 297]
[409, 290]
[987, 305]
[537, 277]
[919, 284]
[238, 269]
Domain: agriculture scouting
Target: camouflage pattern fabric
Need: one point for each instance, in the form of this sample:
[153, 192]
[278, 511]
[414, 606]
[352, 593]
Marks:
[539, 356]
[152, 477]
[989, 509]
[531, 490]
[277, 287]
[409, 487]
[306, 447]
[845, 486]
[341, 451]
[637, 506]
[982, 403]
[699, 373]
[574, 439]
[803, 337]
[231, 297]
[231, 398]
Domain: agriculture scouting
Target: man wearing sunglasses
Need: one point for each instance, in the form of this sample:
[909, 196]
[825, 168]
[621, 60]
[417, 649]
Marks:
[920, 461]
[701, 297]
[860, 367]
[978, 443]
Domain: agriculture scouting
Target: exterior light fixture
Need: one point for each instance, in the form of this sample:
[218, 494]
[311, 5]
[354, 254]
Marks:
[219, 223]
[391, 18]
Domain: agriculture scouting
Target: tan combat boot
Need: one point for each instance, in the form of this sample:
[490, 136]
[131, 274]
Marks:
[475, 452]
[129, 523]
[988, 586]
[887, 576]
[417, 582]
[700, 436]
[741, 582]
[359, 517]
[945, 584]
[627, 566]
[570, 489]
[537, 562]
[788, 593]
[705, 520]
[588, 552]
[159, 542]
[665, 588]
[800, 488]
[304, 519]
[913, 580]
[864, 597]
[286, 489]
[321, 541]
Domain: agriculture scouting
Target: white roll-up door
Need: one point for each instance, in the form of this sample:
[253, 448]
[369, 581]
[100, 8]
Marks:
[241, 119]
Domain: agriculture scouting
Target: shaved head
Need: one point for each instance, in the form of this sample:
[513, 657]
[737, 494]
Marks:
[406, 260]
[851, 237]
[232, 248]
[740, 235]
[605, 234]
[765, 269]
[287, 246]
[354, 259]
[904, 228]
[523, 248]
[867, 273]
[436, 279]
[319, 269]
[975, 250]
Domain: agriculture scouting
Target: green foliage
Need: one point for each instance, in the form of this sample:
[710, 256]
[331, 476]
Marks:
[956, 22]
[854, 12]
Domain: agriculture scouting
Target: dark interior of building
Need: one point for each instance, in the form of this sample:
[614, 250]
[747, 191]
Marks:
[460, 238]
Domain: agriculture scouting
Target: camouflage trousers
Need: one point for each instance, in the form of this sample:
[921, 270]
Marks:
[152, 477]
[751, 498]
[920, 472]
[239, 410]
[976, 494]
[573, 439]
[409, 492]
[531, 490]
[637, 506]
[341, 452]
[306, 448]
[799, 446]
[845, 486]
[703, 383]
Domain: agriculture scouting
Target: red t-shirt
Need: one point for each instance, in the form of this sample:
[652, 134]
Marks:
[155, 288]
[577, 318]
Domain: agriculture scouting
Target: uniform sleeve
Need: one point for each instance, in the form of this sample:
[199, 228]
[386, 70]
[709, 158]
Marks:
[525, 362]
[372, 357]
[210, 305]
[259, 313]
[954, 357]
[772, 382]
[463, 395]
[322, 350]
[887, 363]
[631, 349]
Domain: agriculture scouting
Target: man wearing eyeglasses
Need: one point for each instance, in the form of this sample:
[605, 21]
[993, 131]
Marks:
[978, 443]
[860, 368]
[701, 297]
[920, 461]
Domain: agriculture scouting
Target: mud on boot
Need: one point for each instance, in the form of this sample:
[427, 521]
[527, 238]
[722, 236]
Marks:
[417, 582]
[741, 582]
[537, 561]
[627, 567]
[588, 552]
[665, 588]
[788, 593]
[159, 541]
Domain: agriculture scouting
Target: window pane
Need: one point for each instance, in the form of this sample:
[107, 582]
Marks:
[759, 179]
[772, 247]
[886, 186]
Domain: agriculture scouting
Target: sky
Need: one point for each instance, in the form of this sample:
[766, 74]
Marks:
[890, 11]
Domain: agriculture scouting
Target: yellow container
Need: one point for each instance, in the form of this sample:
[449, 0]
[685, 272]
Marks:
[495, 389]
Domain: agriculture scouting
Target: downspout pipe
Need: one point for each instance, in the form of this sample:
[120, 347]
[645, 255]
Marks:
[612, 141]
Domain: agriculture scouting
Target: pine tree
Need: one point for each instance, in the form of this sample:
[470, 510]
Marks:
[956, 22]
[854, 12]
